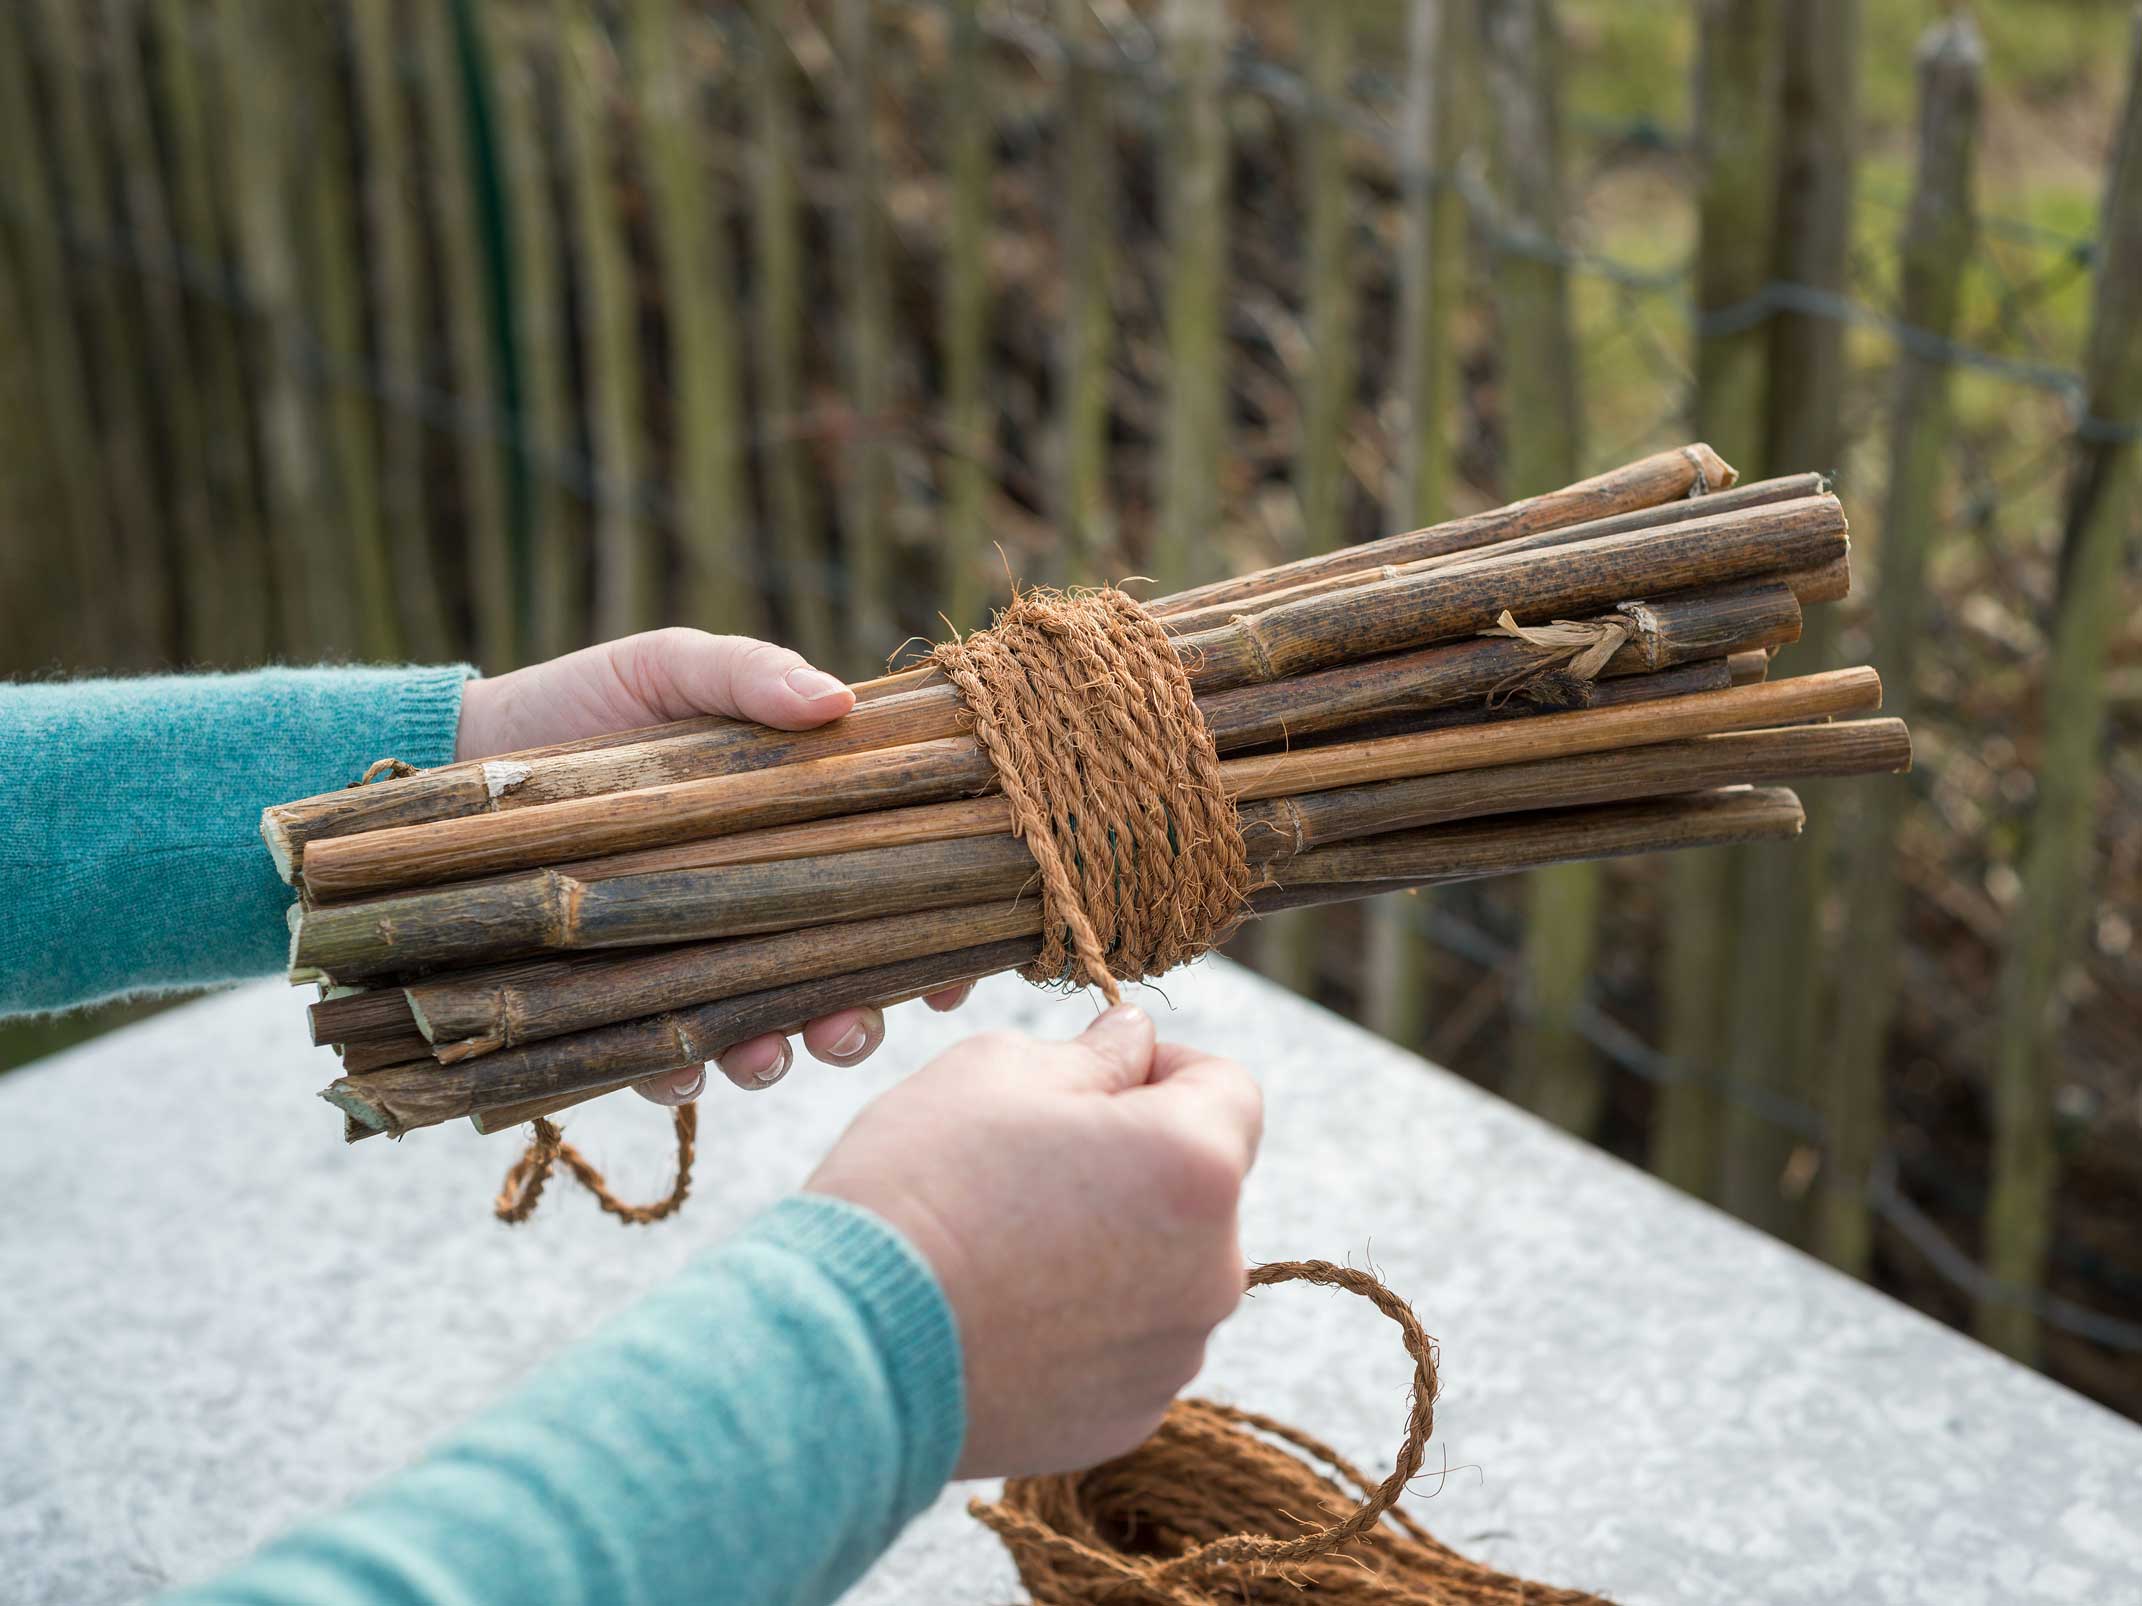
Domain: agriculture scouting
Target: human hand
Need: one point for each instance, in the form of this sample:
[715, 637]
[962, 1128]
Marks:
[1077, 1202]
[650, 679]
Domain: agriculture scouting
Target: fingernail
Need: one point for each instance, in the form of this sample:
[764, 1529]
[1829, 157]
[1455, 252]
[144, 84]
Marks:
[778, 1069]
[811, 683]
[690, 1087]
[1123, 1013]
[851, 1042]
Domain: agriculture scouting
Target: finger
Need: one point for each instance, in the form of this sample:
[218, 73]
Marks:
[673, 1087]
[1118, 1049]
[951, 998]
[847, 1038]
[1214, 1095]
[758, 1063]
[735, 675]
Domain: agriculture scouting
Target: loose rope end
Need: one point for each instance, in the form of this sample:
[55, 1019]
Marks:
[525, 1180]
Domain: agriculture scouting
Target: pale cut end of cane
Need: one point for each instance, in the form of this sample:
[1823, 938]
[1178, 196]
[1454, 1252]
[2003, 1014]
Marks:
[298, 972]
[416, 1010]
[280, 848]
[1718, 474]
[355, 1106]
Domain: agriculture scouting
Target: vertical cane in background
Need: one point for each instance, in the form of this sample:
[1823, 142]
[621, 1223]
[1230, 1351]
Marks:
[673, 53]
[1553, 1070]
[2099, 532]
[1935, 249]
[1293, 943]
[1085, 519]
[1395, 985]
[866, 457]
[1194, 183]
[1737, 80]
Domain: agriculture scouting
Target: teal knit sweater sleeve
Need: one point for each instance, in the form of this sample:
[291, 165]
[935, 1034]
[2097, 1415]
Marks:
[756, 1431]
[130, 851]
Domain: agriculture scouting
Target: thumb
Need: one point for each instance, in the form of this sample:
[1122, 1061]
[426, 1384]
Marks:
[1118, 1049]
[748, 679]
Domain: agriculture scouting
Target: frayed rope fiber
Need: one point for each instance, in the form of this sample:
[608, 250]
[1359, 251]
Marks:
[1084, 708]
[1210, 1511]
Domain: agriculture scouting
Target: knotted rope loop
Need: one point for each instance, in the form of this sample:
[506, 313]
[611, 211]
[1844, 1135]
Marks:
[1082, 704]
[547, 1147]
[1210, 1511]
[1578, 649]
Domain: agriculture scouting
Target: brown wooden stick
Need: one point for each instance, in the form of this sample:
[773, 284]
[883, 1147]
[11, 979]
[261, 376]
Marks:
[1300, 637]
[690, 749]
[1683, 680]
[1748, 668]
[465, 1019]
[1828, 582]
[1762, 493]
[465, 1016]
[583, 1064]
[1413, 609]
[547, 910]
[369, 1054]
[1674, 630]
[355, 1016]
[1662, 477]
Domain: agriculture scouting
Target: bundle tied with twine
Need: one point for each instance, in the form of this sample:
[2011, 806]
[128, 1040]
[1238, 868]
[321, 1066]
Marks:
[1075, 795]
[1087, 714]
[1223, 1507]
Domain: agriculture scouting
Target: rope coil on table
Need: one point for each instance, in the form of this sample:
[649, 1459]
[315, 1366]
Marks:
[1209, 1511]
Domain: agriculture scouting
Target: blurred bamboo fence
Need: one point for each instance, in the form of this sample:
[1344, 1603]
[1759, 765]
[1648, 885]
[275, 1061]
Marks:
[383, 328]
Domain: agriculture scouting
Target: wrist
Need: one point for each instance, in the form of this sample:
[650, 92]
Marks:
[475, 736]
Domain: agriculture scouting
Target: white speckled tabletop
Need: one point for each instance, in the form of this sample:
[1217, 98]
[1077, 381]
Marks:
[214, 1316]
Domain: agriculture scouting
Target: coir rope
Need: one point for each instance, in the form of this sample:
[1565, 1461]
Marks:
[1211, 1511]
[1083, 706]
[547, 1149]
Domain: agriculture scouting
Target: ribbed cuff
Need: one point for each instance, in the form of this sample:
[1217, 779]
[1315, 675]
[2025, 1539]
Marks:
[897, 1295]
[426, 715]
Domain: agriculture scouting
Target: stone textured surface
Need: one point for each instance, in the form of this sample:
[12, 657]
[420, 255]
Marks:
[214, 1315]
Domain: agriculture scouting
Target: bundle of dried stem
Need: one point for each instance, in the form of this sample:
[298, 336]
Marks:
[1580, 675]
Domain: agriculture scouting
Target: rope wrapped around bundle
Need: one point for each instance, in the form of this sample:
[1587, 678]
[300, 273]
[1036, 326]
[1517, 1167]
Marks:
[1210, 1511]
[1086, 712]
